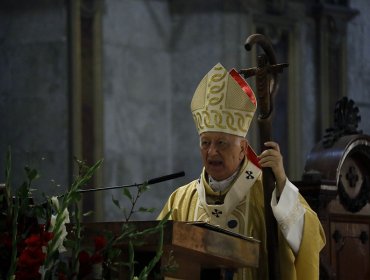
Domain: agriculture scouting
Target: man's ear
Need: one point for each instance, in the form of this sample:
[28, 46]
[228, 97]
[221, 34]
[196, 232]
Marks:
[243, 148]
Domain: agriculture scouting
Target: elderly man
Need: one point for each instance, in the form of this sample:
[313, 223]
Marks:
[229, 192]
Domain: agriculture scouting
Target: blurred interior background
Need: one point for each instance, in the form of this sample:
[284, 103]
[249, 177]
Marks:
[113, 80]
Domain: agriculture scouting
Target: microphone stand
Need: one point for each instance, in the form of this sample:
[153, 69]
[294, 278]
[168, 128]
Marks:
[149, 182]
[146, 183]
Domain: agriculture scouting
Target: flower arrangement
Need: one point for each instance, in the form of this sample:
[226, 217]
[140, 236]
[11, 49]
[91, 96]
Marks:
[46, 241]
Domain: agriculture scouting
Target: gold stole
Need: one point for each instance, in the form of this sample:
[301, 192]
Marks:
[233, 213]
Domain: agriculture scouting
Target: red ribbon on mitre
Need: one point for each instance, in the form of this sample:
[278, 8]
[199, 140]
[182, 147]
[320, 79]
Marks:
[250, 153]
[244, 85]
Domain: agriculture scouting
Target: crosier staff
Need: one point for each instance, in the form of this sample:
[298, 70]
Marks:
[267, 85]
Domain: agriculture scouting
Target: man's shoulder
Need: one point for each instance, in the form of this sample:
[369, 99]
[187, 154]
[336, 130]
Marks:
[184, 193]
[188, 187]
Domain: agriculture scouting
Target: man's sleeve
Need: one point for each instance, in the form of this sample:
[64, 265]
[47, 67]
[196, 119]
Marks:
[289, 214]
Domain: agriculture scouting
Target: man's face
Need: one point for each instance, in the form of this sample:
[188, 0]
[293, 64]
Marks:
[221, 153]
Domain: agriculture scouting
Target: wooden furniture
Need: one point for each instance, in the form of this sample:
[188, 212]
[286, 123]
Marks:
[336, 184]
[193, 247]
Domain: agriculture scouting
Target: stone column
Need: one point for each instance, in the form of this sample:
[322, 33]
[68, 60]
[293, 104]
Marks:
[85, 91]
[331, 23]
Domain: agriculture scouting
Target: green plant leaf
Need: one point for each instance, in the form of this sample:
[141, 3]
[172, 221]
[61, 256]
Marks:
[144, 188]
[146, 210]
[127, 193]
[32, 174]
[116, 202]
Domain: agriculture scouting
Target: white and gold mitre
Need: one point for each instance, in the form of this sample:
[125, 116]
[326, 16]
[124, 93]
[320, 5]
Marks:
[223, 102]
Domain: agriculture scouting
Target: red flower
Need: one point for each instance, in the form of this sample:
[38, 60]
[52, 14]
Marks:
[29, 262]
[84, 257]
[32, 257]
[85, 264]
[100, 243]
[33, 241]
[46, 237]
[86, 261]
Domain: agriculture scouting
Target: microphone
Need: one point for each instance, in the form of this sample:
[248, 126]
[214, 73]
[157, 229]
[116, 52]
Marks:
[149, 182]
[165, 178]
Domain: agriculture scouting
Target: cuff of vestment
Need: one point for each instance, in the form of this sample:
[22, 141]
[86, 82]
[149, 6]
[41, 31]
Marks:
[288, 210]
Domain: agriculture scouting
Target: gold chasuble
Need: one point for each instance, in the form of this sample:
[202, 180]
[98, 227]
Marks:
[240, 209]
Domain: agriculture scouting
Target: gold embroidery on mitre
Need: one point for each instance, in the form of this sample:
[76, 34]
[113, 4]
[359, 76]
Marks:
[220, 104]
[216, 100]
[198, 120]
[217, 77]
[218, 88]
[218, 119]
[230, 120]
[207, 120]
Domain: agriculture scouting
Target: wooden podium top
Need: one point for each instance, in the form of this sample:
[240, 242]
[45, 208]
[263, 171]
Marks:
[193, 245]
[215, 246]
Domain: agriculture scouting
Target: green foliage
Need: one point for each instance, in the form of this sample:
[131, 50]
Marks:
[133, 197]
[20, 215]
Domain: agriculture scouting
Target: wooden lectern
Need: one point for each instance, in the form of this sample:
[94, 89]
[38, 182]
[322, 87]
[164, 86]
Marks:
[194, 247]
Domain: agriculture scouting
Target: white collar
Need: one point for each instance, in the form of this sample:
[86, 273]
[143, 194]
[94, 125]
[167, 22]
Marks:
[220, 186]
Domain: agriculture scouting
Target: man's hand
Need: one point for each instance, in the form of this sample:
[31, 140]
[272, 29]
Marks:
[271, 157]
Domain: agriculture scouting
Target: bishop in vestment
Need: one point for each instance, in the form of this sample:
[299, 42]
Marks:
[229, 191]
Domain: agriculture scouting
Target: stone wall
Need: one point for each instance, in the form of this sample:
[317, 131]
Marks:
[358, 45]
[33, 92]
[137, 97]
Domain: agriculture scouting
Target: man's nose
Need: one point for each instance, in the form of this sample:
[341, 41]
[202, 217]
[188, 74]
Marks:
[212, 149]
